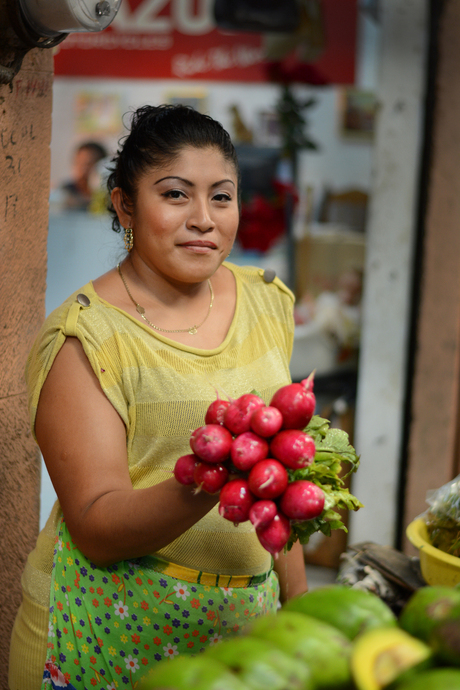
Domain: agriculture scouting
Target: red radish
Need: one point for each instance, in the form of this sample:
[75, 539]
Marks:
[211, 442]
[268, 479]
[247, 449]
[294, 448]
[302, 500]
[262, 513]
[185, 468]
[210, 478]
[235, 500]
[275, 536]
[266, 421]
[296, 404]
[237, 416]
[309, 382]
[216, 411]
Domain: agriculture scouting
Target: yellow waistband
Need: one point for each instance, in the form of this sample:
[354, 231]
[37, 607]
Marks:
[181, 572]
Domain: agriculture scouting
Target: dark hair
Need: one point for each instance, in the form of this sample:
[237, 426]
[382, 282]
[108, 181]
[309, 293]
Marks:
[157, 136]
[96, 149]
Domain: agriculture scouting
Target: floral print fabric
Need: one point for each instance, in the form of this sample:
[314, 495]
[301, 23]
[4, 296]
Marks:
[108, 626]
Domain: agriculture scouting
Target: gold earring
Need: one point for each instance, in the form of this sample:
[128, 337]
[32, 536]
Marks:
[129, 239]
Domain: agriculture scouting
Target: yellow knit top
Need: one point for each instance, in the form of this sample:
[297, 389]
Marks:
[161, 389]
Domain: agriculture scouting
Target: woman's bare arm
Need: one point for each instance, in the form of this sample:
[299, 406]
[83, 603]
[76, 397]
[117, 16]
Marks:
[290, 568]
[83, 441]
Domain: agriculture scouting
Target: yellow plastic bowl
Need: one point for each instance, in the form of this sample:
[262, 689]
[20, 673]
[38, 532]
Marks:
[438, 567]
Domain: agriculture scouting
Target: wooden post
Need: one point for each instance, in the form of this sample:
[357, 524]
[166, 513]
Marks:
[25, 132]
[433, 442]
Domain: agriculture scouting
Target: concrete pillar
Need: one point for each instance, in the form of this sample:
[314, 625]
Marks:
[390, 246]
[25, 132]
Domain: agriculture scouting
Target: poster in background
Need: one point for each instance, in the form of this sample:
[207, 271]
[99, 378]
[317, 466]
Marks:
[358, 109]
[178, 39]
[97, 114]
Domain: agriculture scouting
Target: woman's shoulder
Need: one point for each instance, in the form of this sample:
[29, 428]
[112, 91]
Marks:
[262, 277]
[56, 319]
[83, 316]
[75, 313]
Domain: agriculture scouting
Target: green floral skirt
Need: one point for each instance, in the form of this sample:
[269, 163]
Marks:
[108, 626]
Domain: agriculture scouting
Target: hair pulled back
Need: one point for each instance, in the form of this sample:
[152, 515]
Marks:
[157, 136]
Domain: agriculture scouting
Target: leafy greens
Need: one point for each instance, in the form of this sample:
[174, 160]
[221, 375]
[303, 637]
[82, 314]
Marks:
[333, 450]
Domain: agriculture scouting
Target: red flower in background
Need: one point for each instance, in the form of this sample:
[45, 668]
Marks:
[263, 219]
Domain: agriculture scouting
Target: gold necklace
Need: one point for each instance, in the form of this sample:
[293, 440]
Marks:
[140, 310]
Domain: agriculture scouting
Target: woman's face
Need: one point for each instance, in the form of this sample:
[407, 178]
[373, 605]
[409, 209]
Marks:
[185, 215]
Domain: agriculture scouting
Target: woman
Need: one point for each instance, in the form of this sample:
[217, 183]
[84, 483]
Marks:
[140, 568]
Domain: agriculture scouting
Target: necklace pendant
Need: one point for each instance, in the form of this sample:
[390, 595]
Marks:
[140, 310]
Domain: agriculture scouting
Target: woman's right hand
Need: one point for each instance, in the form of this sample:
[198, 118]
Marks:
[83, 442]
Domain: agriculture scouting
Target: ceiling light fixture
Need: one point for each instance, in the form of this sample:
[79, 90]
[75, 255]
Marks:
[52, 18]
[45, 24]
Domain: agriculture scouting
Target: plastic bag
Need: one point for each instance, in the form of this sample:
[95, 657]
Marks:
[443, 517]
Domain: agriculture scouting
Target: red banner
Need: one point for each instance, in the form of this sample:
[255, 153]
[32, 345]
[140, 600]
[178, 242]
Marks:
[178, 39]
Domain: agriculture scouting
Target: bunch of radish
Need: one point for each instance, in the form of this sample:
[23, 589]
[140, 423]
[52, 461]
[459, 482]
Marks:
[244, 451]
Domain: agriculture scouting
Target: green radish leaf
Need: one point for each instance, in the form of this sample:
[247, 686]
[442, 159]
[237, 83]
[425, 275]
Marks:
[331, 516]
[333, 441]
[329, 464]
[328, 525]
[341, 498]
[325, 523]
[333, 449]
[303, 531]
[320, 473]
[336, 440]
[344, 499]
[317, 427]
[329, 500]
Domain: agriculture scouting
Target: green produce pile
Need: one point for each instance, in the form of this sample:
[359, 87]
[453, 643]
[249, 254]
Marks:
[333, 638]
